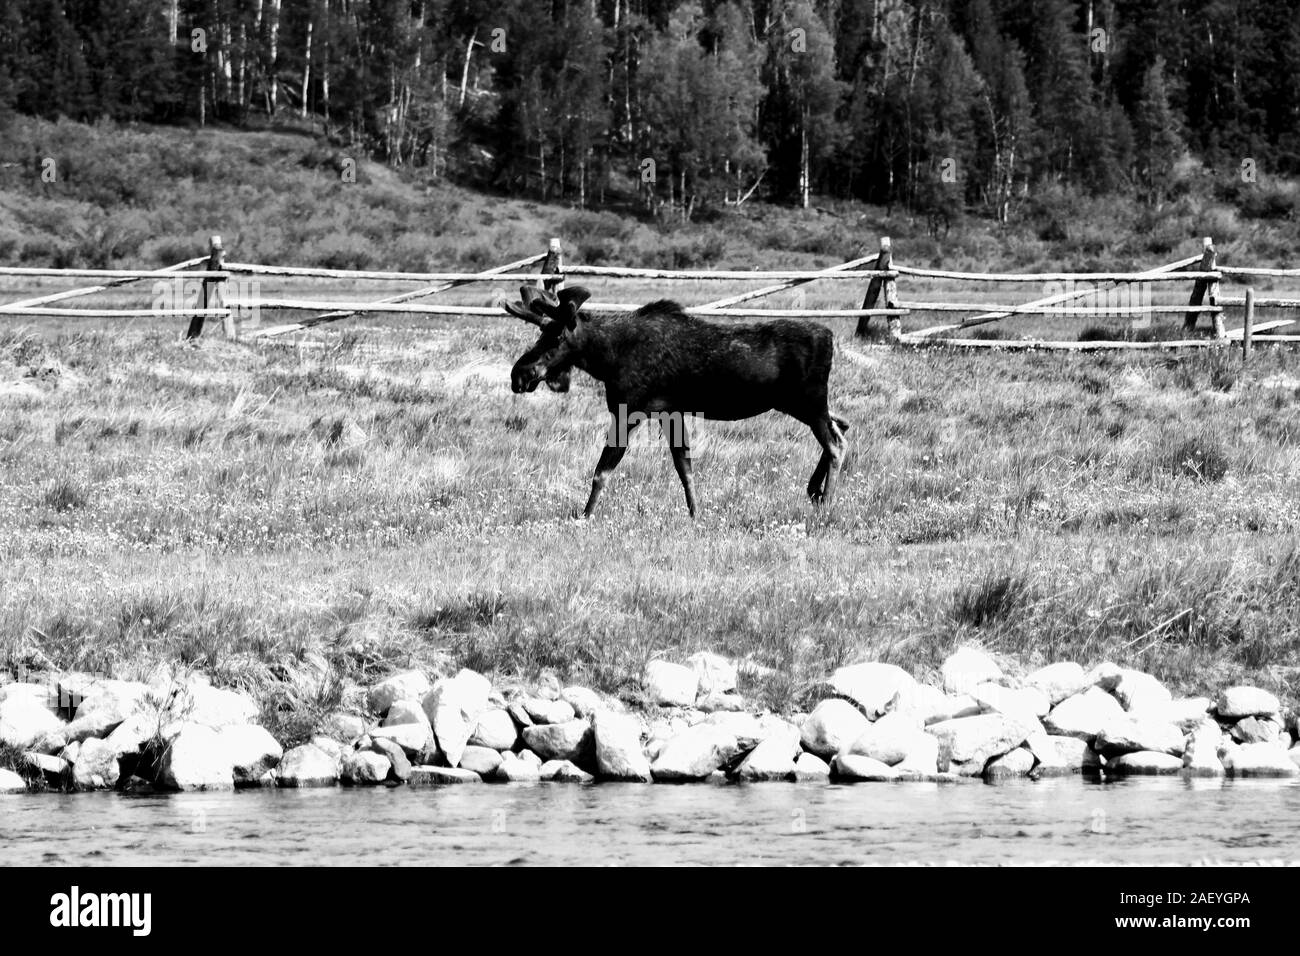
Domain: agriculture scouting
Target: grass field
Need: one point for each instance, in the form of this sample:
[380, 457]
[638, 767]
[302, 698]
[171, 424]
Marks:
[297, 521]
[261, 512]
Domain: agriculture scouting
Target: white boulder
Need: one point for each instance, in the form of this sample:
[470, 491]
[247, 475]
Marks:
[1083, 715]
[23, 722]
[308, 766]
[971, 742]
[495, 729]
[889, 740]
[482, 760]
[543, 711]
[967, 668]
[195, 759]
[715, 674]
[832, 726]
[366, 768]
[572, 740]
[252, 752]
[875, 686]
[1133, 732]
[1234, 703]
[1058, 681]
[694, 754]
[408, 685]
[1259, 760]
[618, 747]
[96, 767]
[1139, 691]
[454, 707]
[811, 767]
[671, 684]
[1013, 763]
[855, 767]
[583, 700]
[1144, 762]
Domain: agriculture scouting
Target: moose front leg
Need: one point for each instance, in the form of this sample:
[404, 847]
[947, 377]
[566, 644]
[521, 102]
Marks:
[679, 444]
[613, 452]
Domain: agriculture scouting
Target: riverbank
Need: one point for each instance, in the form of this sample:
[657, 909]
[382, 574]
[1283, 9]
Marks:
[985, 718]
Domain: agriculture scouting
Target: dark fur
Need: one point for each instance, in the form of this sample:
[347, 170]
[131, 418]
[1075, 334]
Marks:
[659, 359]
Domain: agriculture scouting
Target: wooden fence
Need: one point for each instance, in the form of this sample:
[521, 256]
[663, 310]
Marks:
[240, 316]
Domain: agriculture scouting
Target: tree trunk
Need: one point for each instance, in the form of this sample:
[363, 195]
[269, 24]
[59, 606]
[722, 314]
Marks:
[306, 70]
[464, 73]
[274, 28]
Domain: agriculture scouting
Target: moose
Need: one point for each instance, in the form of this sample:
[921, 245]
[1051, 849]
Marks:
[658, 361]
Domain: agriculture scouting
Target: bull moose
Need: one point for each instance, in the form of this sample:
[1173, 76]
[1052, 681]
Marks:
[659, 361]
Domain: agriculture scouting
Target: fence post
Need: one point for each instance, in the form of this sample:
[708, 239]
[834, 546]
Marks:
[1209, 263]
[883, 261]
[213, 291]
[554, 263]
[1248, 326]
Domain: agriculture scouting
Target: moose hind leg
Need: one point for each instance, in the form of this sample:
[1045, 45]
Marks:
[679, 445]
[830, 436]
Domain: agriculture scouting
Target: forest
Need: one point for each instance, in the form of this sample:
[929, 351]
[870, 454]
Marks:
[683, 106]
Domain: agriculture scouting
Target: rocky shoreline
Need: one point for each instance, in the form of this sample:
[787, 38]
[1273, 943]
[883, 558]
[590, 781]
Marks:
[875, 722]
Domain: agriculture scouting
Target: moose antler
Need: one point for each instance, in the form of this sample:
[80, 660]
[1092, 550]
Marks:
[521, 310]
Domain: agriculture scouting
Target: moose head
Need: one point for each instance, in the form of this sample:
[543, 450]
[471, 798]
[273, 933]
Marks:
[558, 347]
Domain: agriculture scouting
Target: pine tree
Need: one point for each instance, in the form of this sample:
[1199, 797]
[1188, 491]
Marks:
[1157, 141]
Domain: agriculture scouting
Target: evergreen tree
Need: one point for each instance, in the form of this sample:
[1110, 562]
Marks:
[1157, 141]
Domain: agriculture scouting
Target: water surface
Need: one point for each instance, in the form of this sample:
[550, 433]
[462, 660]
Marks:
[1136, 821]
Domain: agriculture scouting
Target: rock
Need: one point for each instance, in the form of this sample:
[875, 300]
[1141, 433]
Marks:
[1062, 755]
[544, 711]
[773, 758]
[308, 766]
[932, 705]
[1083, 715]
[1201, 750]
[572, 740]
[1294, 754]
[973, 741]
[1144, 762]
[967, 668]
[252, 752]
[96, 767]
[130, 736]
[405, 711]
[889, 740]
[1058, 681]
[670, 684]
[1027, 704]
[515, 769]
[1258, 730]
[618, 747]
[519, 715]
[365, 767]
[413, 738]
[343, 727]
[695, 753]
[399, 765]
[331, 747]
[1132, 733]
[22, 722]
[1259, 760]
[1015, 763]
[1105, 675]
[748, 729]
[715, 674]
[875, 687]
[50, 743]
[712, 703]
[811, 767]
[1186, 713]
[454, 707]
[51, 767]
[563, 771]
[71, 752]
[427, 776]
[923, 758]
[482, 760]
[583, 700]
[11, 782]
[1138, 691]
[40, 695]
[855, 767]
[195, 759]
[213, 706]
[495, 729]
[107, 703]
[531, 757]
[1234, 703]
[832, 726]
[408, 685]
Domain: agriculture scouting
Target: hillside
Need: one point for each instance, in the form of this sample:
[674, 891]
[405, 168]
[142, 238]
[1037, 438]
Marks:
[137, 195]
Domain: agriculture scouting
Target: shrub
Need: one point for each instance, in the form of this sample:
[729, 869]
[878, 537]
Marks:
[1202, 458]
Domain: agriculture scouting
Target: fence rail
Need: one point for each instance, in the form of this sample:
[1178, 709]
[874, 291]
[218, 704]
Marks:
[241, 315]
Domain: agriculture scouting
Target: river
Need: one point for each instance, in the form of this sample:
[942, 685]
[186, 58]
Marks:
[1134, 821]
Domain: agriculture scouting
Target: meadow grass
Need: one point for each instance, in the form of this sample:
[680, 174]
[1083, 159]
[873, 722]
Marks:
[297, 522]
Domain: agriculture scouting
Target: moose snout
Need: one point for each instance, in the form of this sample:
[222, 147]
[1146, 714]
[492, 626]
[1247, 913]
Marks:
[524, 380]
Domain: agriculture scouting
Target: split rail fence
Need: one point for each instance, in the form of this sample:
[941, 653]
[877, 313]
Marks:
[240, 317]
